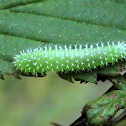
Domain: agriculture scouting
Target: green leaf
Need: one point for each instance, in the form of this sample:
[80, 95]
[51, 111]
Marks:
[95, 12]
[31, 23]
[103, 109]
[83, 76]
[10, 3]
[26, 24]
[10, 46]
[119, 82]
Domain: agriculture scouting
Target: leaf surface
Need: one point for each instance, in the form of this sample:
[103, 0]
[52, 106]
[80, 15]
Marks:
[31, 23]
[103, 109]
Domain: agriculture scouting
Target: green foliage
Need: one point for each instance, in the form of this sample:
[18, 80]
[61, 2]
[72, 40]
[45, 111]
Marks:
[59, 22]
[10, 46]
[27, 24]
[94, 12]
[119, 82]
[101, 110]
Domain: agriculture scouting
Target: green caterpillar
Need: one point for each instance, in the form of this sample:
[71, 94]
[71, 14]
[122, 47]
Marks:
[67, 58]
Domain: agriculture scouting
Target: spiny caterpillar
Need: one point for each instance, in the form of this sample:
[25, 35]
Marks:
[67, 58]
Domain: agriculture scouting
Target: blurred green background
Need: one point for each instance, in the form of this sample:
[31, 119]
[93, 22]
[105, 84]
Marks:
[40, 101]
